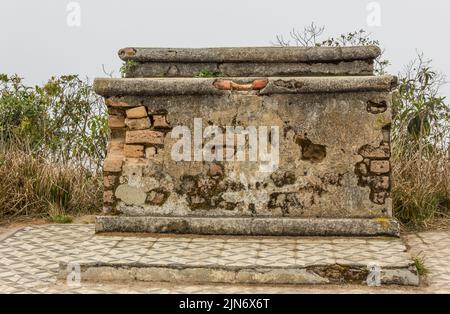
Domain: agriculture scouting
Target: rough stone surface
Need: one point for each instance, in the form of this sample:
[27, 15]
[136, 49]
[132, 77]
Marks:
[250, 54]
[130, 195]
[243, 69]
[320, 174]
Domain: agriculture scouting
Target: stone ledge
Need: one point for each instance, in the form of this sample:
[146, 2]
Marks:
[312, 275]
[276, 85]
[250, 226]
[250, 54]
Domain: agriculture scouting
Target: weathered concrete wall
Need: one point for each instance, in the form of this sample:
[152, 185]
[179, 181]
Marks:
[334, 143]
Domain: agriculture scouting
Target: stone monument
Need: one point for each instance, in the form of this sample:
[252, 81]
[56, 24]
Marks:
[249, 141]
[255, 148]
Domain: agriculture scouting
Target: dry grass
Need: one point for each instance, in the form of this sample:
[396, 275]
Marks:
[31, 186]
[421, 186]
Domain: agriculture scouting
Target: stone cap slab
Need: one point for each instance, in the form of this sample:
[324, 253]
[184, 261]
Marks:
[222, 86]
[250, 54]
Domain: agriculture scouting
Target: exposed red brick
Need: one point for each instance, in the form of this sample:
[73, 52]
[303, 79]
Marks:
[136, 113]
[222, 84]
[381, 183]
[108, 197]
[259, 84]
[230, 85]
[112, 164]
[115, 146]
[379, 197]
[138, 124]
[144, 137]
[241, 87]
[160, 121]
[134, 151]
[380, 166]
[368, 151]
[116, 122]
[109, 181]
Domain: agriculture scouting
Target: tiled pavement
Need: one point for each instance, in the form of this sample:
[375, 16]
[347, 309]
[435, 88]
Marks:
[29, 258]
[434, 250]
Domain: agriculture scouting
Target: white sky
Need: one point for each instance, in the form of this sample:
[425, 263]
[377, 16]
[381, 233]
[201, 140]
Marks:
[38, 43]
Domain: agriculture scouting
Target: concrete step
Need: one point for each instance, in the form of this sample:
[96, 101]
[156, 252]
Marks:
[244, 260]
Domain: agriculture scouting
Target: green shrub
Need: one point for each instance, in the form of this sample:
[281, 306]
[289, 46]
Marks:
[63, 121]
[420, 151]
[52, 144]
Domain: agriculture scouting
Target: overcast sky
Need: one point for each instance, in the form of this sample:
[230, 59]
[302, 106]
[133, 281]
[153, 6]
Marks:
[38, 42]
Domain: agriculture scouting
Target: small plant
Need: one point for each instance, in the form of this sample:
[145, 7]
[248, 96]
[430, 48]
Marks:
[127, 67]
[61, 219]
[207, 73]
[420, 266]
[57, 214]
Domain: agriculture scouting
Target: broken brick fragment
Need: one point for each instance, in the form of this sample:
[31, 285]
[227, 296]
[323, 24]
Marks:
[160, 121]
[241, 87]
[259, 84]
[222, 84]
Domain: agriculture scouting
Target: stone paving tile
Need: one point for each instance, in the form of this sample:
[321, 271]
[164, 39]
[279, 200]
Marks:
[29, 258]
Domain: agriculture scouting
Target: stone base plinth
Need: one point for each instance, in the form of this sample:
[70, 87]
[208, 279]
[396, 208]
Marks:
[246, 260]
[250, 226]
